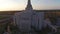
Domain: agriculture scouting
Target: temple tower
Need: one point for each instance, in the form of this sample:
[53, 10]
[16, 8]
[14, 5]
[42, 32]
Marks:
[29, 6]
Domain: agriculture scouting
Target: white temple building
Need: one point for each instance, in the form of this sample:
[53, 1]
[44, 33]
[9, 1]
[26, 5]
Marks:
[28, 18]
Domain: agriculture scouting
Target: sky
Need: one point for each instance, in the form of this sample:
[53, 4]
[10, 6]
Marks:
[36, 4]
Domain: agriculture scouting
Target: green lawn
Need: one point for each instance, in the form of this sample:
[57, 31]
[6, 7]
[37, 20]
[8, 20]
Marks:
[3, 17]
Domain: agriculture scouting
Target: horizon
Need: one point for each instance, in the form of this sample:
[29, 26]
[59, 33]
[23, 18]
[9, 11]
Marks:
[8, 5]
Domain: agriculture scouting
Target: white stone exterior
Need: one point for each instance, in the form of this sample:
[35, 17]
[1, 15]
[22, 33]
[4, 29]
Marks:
[25, 19]
[40, 19]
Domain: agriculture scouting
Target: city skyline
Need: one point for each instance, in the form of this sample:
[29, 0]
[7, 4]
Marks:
[21, 4]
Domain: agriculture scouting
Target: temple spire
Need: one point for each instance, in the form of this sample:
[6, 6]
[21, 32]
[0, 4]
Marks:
[29, 2]
[29, 6]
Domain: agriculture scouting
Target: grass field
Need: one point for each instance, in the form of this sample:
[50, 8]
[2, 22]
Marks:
[3, 25]
[3, 17]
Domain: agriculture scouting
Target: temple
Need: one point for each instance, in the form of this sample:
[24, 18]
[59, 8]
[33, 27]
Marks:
[29, 19]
